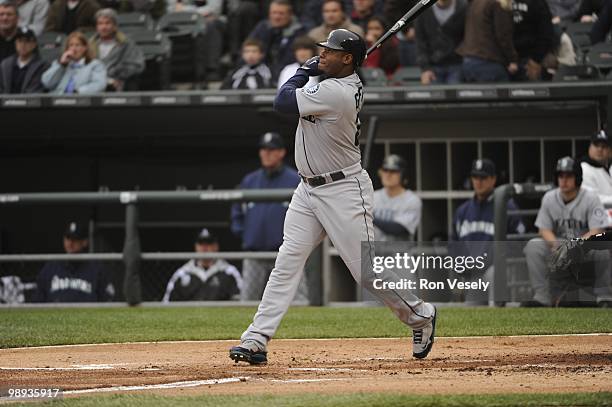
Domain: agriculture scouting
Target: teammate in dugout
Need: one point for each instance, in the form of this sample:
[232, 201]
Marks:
[397, 210]
[335, 197]
[204, 279]
[567, 212]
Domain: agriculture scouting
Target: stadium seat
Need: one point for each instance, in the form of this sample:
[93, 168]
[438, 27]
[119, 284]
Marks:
[51, 39]
[576, 73]
[186, 31]
[600, 56]
[50, 54]
[374, 76]
[128, 21]
[406, 76]
[157, 50]
[578, 28]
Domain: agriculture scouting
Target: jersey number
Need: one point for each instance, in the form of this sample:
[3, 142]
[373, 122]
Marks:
[358, 103]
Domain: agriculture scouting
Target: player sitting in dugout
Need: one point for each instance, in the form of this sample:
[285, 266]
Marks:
[74, 281]
[567, 212]
[204, 279]
[397, 210]
[474, 227]
[595, 165]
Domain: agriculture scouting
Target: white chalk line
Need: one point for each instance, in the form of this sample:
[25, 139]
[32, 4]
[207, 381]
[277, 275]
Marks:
[438, 338]
[173, 385]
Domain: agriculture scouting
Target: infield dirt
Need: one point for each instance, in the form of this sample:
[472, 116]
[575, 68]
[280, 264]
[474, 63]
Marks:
[482, 365]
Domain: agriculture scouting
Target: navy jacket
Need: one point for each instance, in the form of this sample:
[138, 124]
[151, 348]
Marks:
[260, 224]
[74, 282]
[474, 222]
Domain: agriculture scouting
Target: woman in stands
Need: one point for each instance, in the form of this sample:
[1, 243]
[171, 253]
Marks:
[75, 71]
[387, 56]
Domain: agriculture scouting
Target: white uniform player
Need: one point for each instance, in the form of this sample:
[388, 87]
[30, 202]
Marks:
[334, 199]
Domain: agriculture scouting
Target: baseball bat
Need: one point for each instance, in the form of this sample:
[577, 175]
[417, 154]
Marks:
[413, 13]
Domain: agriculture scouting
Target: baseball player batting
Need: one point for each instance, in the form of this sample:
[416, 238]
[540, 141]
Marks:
[334, 198]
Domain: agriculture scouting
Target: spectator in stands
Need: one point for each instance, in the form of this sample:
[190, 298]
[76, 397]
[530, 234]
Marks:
[277, 34]
[393, 10]
[334, 17]
[254, 74]
[563, 10]
[74, 281]
[439, 30]
[397, 210]
[204, 279]
[595, 165]
[76, 71]
[603, 25]
[311, 15]
[474, 226]
[33, 14]
[567, 212]
[387, 56]
[66, 16]
[211, 10]
[487, 49]
[22, 72]
[304, 48]
[260, 225]
[363, 10]
[123, 60]
[589, 10]
[8, 29]
[533, 37]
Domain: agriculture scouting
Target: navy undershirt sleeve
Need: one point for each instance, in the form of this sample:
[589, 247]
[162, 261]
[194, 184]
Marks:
[390, 227]
[285, 100]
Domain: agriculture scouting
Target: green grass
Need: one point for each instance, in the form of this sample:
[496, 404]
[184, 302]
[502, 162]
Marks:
[349, 400]
[53, 326]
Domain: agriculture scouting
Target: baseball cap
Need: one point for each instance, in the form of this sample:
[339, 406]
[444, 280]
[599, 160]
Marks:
[76, 231]
[205, 237]
[483, 167]
[271, 140]
[600, 137]
[25, 33]
[393, 162]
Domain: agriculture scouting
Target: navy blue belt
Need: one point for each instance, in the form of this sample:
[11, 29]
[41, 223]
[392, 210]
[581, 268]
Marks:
[321, 180]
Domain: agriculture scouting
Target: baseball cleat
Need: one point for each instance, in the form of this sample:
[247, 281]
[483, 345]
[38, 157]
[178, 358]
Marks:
[423, 339]
[244, 354]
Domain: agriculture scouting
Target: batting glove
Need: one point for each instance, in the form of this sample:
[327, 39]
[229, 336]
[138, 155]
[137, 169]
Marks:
[312, 67]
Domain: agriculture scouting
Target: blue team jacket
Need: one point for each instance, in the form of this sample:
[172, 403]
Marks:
[260, 224]
[474, 222]
[74, 282]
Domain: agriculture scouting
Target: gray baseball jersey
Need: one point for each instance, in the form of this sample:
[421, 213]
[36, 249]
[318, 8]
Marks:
[573, 219]
[404, 209]
[326, 139]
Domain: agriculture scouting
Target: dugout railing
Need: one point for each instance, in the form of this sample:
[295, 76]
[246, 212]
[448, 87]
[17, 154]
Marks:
[511, 281]
[132, 256]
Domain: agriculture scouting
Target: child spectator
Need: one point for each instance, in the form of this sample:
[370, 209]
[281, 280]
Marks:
[254, 74]
[304, 48]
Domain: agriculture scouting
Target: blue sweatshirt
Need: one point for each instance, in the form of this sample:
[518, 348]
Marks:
[260, 224]
[474, 222]
[74, 282]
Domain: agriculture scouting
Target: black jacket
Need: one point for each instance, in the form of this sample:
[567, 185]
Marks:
[533, 29]
[436, 44]
[590, 7]
[32, 82]
[602, 26]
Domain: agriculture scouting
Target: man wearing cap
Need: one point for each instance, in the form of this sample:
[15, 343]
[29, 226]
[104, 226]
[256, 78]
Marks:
[397, 210]
[22, 72]
[596, 167]
[74, 281]
[260, 224]
[8, 28]
[204, 279]
[474, 227]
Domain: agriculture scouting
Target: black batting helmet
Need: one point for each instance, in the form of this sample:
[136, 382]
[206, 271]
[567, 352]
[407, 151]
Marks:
[569, 165]
[347, 41]
[394, 162]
